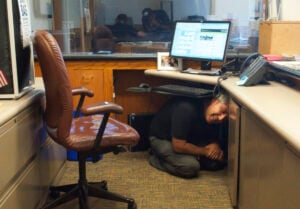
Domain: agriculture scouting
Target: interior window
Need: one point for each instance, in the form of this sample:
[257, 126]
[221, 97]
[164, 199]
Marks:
[118, 26]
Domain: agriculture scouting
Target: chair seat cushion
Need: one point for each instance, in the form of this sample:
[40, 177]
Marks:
[84, 130]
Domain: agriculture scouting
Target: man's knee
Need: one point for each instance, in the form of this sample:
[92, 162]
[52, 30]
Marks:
[189, 170]
[160, 146]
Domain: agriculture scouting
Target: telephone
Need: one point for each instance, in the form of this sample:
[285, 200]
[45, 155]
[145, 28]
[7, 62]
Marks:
[252, 70]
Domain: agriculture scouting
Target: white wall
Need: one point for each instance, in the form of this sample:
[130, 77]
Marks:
[242, 13]
[182, 9]
[290, 10]
[233, 9]
[38, 14]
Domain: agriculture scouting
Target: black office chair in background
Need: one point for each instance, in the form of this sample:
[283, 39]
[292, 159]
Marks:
[93, 134]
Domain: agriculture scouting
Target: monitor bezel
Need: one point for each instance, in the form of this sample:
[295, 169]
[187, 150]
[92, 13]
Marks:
[199, 58]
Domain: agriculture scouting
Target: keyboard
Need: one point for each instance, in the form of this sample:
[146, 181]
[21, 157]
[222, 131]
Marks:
[182, 90]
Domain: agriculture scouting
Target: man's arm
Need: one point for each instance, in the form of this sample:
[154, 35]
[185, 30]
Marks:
[211, 151]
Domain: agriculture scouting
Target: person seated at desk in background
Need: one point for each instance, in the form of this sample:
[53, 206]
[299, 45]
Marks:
[123, 30]
[157, 24]
[185, 135]
[103, 40]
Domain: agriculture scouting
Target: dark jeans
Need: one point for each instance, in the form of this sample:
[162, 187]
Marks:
[182, 165]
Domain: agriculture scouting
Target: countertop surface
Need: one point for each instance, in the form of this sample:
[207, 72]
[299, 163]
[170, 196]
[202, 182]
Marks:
[274, 103]
[11, 107]
[119, 55]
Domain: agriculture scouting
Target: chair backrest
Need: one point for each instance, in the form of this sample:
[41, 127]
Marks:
[59, 103]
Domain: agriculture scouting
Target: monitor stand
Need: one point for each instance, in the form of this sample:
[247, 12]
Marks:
[205, 65]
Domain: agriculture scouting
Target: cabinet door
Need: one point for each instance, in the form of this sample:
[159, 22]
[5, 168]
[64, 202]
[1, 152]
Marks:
[90, 78]
[291, 183]
[261, 165]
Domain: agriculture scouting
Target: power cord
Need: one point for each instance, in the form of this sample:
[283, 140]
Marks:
[217, 88]
[225, 66]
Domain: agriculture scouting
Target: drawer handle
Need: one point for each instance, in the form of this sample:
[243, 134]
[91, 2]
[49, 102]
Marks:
[87, 79]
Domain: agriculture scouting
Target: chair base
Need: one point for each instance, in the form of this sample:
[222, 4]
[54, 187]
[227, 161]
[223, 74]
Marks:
[82, 191]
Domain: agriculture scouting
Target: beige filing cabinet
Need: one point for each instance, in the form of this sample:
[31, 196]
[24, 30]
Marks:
[29, 161]
[269, 168]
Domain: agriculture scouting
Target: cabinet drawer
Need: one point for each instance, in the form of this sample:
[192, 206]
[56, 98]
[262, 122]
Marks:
[19, 142]
[32, 184]
[91, 79]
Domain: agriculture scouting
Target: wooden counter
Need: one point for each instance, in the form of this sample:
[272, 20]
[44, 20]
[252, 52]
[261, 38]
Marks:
[109, 77]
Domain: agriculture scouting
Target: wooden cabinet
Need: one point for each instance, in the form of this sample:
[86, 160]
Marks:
[89, 76]
[98, 74]
[109, 79]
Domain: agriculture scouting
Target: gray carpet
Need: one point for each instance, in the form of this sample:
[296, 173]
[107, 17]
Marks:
[131, 175]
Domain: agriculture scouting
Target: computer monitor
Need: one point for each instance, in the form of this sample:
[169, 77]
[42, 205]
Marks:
[205, 41]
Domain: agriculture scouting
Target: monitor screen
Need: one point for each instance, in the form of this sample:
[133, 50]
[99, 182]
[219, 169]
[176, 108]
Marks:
[205, 40]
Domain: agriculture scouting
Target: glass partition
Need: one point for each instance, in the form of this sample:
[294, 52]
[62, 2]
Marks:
[119, 26]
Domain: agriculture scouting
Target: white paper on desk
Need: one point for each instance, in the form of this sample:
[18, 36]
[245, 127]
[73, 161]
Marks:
[202, 72]
[290, 10]
[295, 65]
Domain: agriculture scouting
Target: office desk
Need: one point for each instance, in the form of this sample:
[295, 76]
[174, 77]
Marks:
[269, 159]
[268, 102]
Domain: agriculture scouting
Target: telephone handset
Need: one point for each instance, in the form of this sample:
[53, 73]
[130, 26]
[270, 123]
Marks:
[254, 72]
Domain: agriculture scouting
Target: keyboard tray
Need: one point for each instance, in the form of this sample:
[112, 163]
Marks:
[182, 90]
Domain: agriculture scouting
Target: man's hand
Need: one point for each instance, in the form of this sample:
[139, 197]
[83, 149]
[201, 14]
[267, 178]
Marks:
[214, 152]
[211, 151]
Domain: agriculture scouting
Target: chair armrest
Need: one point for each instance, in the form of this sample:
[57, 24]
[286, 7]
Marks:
[103, 107]
[82, 91]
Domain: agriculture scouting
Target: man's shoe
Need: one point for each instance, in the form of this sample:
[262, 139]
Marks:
[211, 165]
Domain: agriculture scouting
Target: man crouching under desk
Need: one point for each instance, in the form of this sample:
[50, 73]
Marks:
[185, 135]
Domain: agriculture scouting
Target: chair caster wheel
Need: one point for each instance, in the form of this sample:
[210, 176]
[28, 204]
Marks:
[132, 205]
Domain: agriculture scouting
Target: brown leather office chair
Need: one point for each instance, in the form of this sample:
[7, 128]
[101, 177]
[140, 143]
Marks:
[95, 133]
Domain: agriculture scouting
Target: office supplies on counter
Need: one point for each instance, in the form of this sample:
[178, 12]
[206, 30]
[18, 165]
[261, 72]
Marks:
[289, 68]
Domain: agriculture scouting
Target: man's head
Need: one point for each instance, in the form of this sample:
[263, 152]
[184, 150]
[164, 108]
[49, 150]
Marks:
[217, 109]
